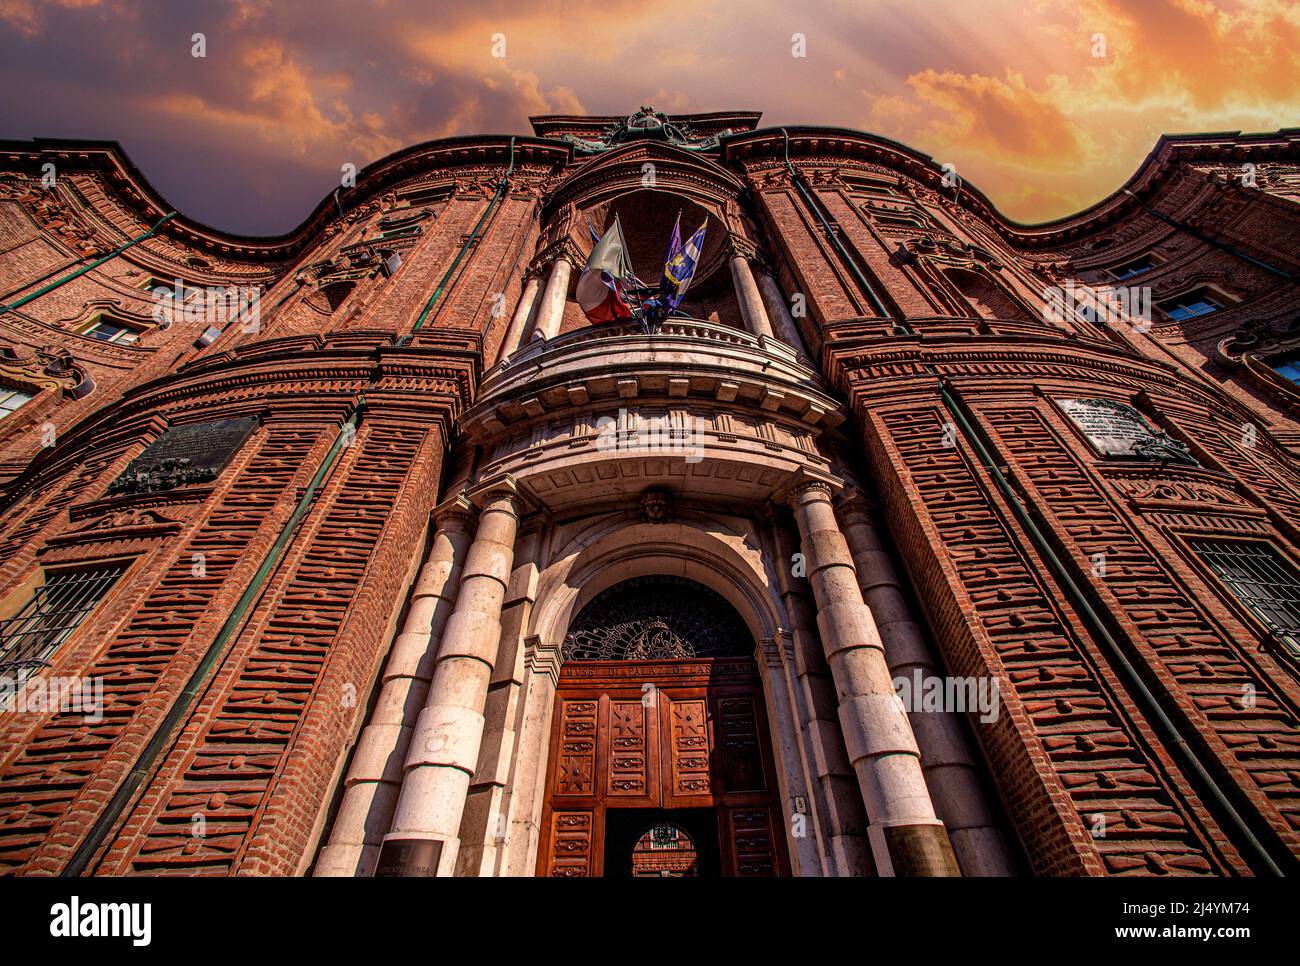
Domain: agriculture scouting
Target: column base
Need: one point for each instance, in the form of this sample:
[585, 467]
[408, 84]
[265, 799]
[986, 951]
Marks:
[913, 851]
[410, 858]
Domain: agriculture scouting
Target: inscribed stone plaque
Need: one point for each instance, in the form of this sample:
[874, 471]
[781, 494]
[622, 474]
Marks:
[408, 858]
[1117, 429]
[193, 453]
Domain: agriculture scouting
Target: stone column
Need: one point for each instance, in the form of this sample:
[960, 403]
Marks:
[528, 789]
[445, 744]
[779, 313]
[523, 311]
[484, 826]
[946, 757]
[751, 303]
[550, 311]
[375, 776]
[907, 839]
[836, 794]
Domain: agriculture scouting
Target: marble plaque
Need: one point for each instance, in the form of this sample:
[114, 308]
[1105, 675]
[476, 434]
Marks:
[1117, 429]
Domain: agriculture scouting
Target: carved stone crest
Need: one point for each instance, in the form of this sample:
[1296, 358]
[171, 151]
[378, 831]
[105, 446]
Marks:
[657, 505]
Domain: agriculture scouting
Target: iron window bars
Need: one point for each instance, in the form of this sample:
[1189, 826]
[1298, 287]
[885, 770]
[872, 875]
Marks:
[53, 613]
[1262, 579]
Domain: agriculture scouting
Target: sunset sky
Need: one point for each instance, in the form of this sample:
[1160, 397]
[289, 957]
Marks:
[252, 136]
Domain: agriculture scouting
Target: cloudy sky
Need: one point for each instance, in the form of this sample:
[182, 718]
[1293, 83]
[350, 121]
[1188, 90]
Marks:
[1023, 96]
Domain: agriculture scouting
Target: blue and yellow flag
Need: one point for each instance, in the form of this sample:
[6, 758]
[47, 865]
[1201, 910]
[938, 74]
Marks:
[681, 265]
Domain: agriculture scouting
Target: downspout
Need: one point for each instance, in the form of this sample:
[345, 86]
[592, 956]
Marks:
[492, 205]
[83, 270]
[956, 406]
[211, 658]
[849, 260]
[211, 334]
[1211, 241]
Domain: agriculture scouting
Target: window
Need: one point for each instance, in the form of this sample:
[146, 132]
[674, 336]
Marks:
[895, 217]
[170, 286]
[11, 399]
[107, 329]
[1192, 304]
[54, 612]
[1262, 579]
[1136, 267]
[1288, 368]
[873, 186]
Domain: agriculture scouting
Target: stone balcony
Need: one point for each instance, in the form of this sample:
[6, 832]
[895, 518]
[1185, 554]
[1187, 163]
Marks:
[605, 412]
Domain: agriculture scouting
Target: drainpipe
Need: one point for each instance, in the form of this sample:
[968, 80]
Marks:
[946, 758]
[83, 270]
[1164, 724]
[451, 269]
[1211, 241]
[375, 775]
[164, 733]
[849, 260]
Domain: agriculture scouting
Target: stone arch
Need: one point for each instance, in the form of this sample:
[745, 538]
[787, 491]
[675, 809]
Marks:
[719, 556]
[621, 550]
[656, 617]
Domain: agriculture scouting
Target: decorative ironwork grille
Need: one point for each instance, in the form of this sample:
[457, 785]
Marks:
[1262, 579]
[656, 618]
[53, 613]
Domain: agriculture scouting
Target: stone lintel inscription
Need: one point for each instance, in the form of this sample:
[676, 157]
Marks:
[193, 453]
[1116, 429]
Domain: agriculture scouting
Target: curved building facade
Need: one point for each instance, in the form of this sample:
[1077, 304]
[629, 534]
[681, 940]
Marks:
[919, 543]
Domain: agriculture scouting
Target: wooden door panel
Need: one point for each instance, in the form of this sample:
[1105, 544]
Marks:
[752, 848]
[575, 773]
[571, 847]
[739, 745]
[696, 739]
[627, 751]
[689, 777]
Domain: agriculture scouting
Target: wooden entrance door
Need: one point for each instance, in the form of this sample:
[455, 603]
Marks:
[662, 737]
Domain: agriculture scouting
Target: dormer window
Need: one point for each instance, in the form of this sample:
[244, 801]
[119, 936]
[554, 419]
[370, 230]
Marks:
[1192, 305]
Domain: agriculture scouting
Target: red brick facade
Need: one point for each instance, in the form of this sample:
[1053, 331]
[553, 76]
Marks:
[234, 692]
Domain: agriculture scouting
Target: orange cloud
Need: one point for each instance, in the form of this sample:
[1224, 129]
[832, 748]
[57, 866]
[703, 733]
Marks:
[1001, 117]
[1005, 89]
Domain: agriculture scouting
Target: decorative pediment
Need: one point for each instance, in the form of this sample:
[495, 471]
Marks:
[647, 124]
[946, 251]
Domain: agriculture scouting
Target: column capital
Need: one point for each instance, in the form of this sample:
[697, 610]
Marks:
[763, 264]
[804, 480]
[562, 250]
[496, 488]
[852, 503]
[738, 246]
[455, 513]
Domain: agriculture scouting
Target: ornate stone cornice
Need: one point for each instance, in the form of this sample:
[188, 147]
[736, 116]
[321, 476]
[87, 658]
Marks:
[761, 154]
[131, 190]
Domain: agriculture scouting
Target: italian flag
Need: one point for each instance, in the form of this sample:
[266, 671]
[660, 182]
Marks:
[600, 287]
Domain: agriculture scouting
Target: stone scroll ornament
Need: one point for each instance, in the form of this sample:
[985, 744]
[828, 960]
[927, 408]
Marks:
[1117, 430]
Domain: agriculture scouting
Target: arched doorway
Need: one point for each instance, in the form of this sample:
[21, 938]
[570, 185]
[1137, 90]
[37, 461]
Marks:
[660, 759]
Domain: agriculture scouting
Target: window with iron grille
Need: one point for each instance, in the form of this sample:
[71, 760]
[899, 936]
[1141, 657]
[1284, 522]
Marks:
[53, 613]
[1262, 579]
